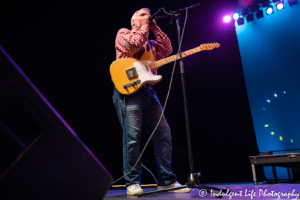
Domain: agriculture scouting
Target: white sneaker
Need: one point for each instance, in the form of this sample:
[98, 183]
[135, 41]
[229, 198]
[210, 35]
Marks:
[176, 184]
[134, 189]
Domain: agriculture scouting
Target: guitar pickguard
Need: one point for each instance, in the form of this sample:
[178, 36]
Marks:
[144, 74]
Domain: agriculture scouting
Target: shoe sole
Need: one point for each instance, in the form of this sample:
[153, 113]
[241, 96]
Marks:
[132, 194]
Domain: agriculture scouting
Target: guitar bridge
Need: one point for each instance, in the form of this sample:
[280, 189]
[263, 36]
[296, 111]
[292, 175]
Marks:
[131, 84]
[131, 73]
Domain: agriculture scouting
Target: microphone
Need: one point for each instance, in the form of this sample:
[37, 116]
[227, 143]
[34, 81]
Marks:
[155, 14]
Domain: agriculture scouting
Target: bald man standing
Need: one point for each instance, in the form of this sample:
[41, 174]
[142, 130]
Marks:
[143, 109]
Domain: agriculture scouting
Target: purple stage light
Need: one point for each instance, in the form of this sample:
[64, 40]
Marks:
[280, 6]
[227, 19]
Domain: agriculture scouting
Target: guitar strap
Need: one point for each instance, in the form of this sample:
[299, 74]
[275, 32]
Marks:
[150, 46]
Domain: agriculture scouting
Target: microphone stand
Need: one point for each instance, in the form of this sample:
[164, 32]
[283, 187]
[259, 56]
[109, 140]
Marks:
[193, 178]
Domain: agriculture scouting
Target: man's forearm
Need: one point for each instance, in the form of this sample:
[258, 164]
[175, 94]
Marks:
[131, 42]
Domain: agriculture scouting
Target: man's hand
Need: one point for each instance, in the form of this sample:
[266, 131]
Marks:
[152, 25]
[142, 20]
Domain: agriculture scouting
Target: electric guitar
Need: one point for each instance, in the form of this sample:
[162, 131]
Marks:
[129, 75]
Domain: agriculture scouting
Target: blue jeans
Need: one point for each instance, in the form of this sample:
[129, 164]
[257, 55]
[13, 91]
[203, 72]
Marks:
[143, 109]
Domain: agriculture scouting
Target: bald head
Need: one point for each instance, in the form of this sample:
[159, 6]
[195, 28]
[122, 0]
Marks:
[139, 17]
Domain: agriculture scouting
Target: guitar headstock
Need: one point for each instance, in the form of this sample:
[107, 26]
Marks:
[209, 46]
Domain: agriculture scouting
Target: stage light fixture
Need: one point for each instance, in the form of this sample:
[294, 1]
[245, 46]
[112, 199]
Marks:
[227, 19]
[265, 3]
[245, 12]
[236, 16]
[259, 14]
[269, 10]
[293, 2]
[249, 17]
[280, 6]
[240, 21]
[255, 7]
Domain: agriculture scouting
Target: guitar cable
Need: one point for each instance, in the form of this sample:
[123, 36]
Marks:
[163, 110]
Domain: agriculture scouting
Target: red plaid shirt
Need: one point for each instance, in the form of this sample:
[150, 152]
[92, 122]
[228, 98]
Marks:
[132, 44]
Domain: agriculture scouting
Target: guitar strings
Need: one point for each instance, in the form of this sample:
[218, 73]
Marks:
[163, 110]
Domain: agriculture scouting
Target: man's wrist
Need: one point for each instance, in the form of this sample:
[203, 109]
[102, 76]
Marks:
[158, 33]
[153, 28]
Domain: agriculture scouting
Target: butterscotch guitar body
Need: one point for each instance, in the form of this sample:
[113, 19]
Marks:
[129, 75]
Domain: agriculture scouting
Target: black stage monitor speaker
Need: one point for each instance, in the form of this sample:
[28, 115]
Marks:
[41, 157]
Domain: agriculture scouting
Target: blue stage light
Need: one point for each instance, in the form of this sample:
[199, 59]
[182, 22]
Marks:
[268, 100]
[236, 16]
[269, 10]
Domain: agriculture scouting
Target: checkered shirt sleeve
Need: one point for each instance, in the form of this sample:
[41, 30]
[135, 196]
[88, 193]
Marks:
[130, 44]
[162, 45]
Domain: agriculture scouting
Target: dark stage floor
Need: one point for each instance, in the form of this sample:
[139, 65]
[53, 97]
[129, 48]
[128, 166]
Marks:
[238, 191]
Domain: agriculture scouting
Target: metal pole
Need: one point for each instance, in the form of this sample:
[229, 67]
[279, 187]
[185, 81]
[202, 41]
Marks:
[185, 101]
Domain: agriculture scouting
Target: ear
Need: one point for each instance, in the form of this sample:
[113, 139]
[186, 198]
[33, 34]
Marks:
[132, 22]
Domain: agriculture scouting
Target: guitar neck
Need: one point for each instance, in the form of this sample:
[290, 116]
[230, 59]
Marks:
[159, 63]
